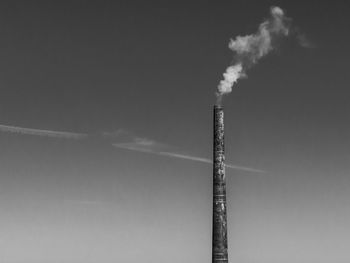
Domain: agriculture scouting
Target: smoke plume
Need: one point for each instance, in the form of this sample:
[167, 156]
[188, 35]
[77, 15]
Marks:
[249, 49]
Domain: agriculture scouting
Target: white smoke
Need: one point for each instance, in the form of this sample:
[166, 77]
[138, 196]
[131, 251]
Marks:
[232, 74]
[249, 49]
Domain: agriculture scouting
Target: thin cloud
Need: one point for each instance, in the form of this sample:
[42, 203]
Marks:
[304, 41]
[44, 133]
[143, 145]
[115, 134]
[133, 147]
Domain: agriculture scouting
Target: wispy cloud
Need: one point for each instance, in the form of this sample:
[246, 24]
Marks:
[115, 134]
[304, 41]
[153, 147]
[45, 133]
[143, 145]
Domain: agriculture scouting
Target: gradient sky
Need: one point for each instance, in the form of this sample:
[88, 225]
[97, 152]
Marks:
[150, 69]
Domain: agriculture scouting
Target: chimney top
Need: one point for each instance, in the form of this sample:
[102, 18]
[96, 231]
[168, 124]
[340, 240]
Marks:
[218, 106]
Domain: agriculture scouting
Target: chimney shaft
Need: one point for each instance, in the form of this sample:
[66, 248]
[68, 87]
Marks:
[219, 235]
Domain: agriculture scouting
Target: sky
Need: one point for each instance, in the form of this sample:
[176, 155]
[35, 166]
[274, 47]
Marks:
[99, 99]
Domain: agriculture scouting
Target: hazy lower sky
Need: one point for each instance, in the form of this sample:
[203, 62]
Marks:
[145, 72]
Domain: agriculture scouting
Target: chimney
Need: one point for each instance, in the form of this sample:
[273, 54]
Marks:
[219, 234]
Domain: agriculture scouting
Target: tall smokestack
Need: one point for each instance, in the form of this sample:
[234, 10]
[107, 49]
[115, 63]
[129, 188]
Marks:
[219, 235]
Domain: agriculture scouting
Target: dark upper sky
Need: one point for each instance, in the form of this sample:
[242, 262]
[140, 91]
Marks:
[151, 69]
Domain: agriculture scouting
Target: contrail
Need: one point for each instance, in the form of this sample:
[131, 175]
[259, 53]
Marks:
[140, 147]
[206, 160]
[46, 133]
[138, 144]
